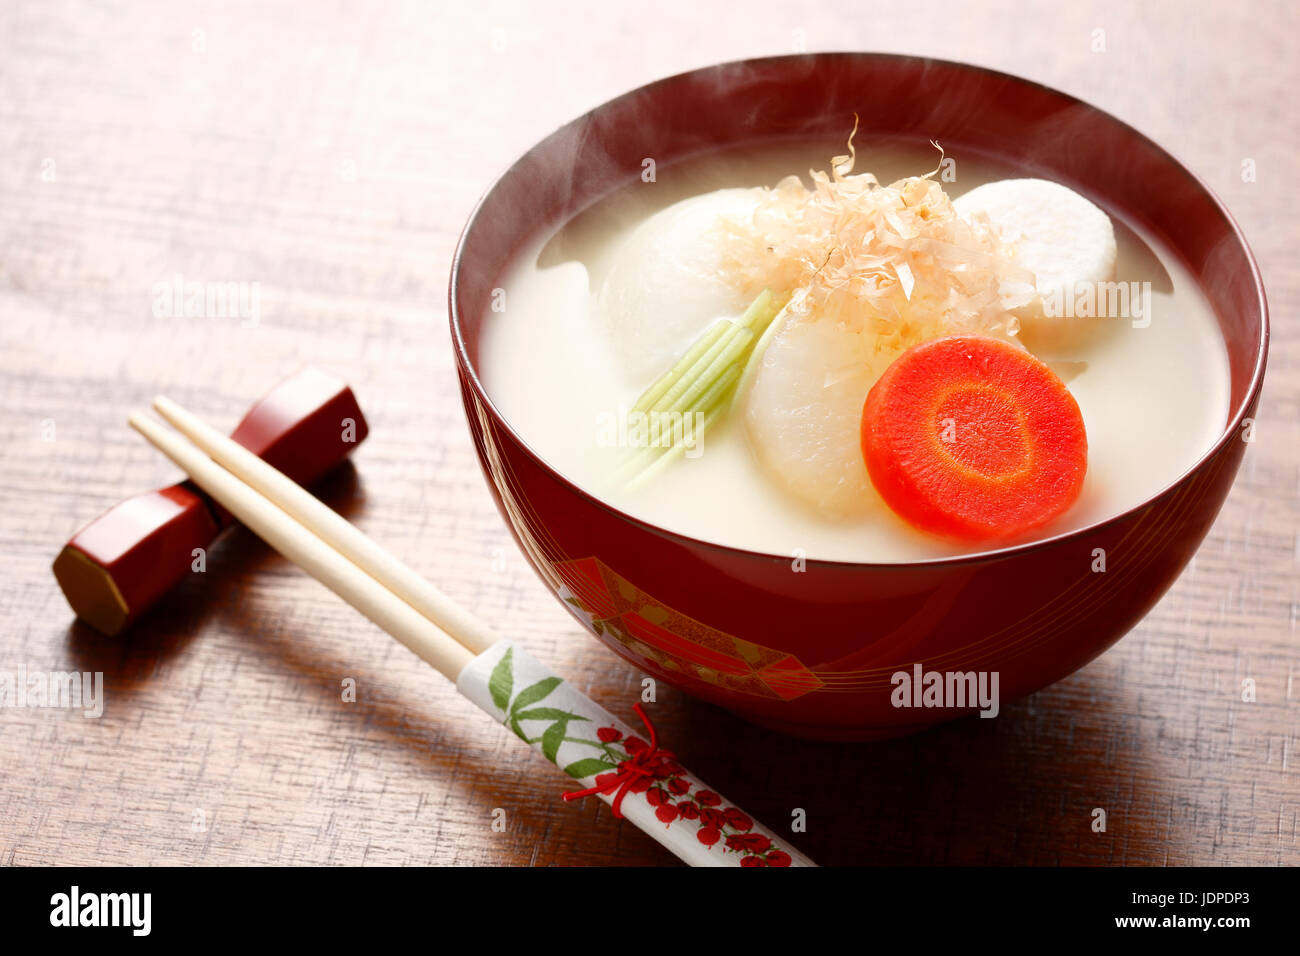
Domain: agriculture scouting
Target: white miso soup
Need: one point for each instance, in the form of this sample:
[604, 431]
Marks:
[598, 310]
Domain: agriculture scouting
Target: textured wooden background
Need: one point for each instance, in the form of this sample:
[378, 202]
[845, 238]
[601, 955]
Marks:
[331, 153]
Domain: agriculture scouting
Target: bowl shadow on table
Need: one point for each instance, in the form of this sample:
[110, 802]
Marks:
[1019, 789]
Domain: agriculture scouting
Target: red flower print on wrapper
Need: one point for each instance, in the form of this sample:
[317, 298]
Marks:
[636, 774]
[753, 842]
[712, 818]
[756, 842]
[668, 789]
[738, 819]
[663, 769]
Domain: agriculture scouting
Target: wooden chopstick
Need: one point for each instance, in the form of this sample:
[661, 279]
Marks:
[332, 528]
[304, 548]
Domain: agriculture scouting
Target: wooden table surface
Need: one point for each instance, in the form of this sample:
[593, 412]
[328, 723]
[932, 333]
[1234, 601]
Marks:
[331, 153]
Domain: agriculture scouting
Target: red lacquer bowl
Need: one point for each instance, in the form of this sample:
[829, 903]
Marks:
[813, 653]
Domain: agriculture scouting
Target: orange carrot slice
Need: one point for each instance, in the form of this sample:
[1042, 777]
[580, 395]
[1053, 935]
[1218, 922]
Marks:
[973, 438]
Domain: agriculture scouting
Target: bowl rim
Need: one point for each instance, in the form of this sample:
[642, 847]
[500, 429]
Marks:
[1230, 433]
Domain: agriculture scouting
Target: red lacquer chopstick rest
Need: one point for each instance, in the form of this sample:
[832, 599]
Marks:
[120, 564]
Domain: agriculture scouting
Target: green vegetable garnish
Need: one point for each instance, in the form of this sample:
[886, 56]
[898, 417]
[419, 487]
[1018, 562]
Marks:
[695, 392]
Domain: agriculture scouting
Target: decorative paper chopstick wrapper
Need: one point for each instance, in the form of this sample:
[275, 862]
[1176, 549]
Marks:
[641, 781]
[119, 565]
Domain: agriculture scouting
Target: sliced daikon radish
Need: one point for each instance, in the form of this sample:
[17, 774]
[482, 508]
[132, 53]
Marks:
[1065, 240]
[665, 283]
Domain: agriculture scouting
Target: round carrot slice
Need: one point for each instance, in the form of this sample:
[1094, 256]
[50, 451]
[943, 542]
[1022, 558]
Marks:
[973, 438]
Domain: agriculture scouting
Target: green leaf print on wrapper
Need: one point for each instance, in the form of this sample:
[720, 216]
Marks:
[502, 679]
[588, 767]
[500, 685]
[534, 693]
